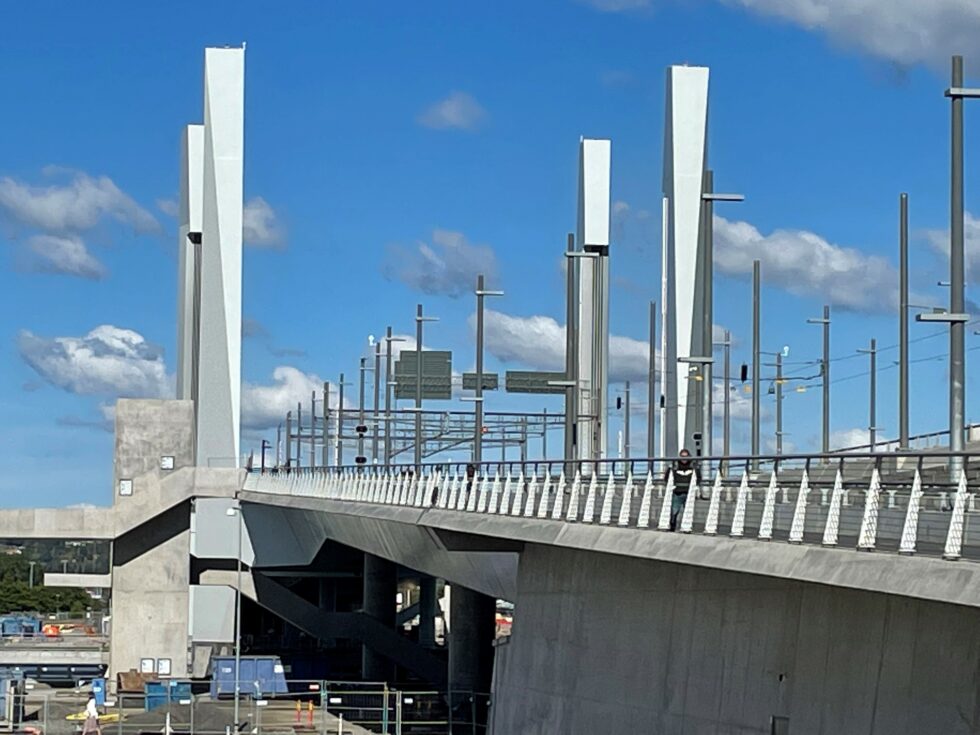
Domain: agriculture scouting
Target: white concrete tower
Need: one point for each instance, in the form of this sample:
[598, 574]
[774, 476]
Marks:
[188, 270]
[683, 185]
[593, 311]
[219, 351]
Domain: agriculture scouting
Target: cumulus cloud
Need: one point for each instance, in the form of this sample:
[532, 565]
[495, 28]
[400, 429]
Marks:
[538, 342]
[108, 361]
[806, 264]
[261, 227]
[849, 439]
[264, 406]
[458, 111]
[740, 403]
[901, 31]
[75, 204]
[448, 266]
[65, 255]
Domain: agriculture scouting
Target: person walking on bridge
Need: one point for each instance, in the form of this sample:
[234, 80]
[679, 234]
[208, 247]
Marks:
[685, 473]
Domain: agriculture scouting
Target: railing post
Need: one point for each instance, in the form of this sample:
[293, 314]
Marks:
[799, 513]
[869, 522]
[711, 522]
[911, 528]
[769, 508]
[663, 523]
[626, 504]
[643, 520]
[954, 538]
[831, 530]
[738, 517]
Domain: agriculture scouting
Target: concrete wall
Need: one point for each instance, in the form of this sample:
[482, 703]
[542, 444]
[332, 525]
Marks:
[603, 643]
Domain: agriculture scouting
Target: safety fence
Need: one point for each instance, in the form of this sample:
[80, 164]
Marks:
[907, 504]
[317, 708]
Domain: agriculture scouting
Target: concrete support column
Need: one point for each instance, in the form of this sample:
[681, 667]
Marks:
[380, 583]
[472, 626]
[427, 611]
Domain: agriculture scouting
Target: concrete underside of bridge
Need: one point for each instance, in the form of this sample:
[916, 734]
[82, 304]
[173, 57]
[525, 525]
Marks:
[622, 630]
[603, 643]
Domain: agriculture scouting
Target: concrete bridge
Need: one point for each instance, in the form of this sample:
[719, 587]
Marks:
[822, 594]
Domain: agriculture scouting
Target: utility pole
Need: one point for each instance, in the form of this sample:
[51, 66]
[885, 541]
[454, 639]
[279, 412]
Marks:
[419, 439]
[825, 378]
[340, 421]
[652, 401]
[756, 279]
[872, 352]
[626, 422]
[388, 340]
[374, 403]
[903, 322]
[299, 434]
[360, 408]
[481, 292]
[779, 403]
[289, 439]
[326, 423]
[313, 430]
[572, 438]
[727, 420]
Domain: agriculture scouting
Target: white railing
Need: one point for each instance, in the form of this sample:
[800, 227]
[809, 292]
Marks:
[883, 513]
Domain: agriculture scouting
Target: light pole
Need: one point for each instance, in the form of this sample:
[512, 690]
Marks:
[756, 280]
[572, 384]
[236, 510]
[698, 364]
[374, 403]
[872, 352]
[727, 416]
[956, 318]
[825, 378]
[777, 388]
[481, 293]
[626, 421]
[652, 384]
[903, 321]
[419, 320]
[389, 384]
[708, 199]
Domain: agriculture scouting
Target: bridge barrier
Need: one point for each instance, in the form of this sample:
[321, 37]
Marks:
[869, 502]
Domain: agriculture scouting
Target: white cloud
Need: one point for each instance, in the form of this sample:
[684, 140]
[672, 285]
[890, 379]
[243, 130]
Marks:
[74, 205]
[538, 342]
[806, 264]
[902, 31]
[740, 403]
[939, 241]
[265, 406]
[108, 361]
[449, 266]
[66, 255]
[261, 227]
[458, 111]
[849, 438]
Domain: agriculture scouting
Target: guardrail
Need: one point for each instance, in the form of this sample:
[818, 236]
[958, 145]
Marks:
[903, 503]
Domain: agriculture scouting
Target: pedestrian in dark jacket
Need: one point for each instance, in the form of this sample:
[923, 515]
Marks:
[685, 473]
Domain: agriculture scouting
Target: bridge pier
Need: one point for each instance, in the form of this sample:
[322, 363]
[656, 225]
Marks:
[472, 626]
[380, 584]
[427, 611]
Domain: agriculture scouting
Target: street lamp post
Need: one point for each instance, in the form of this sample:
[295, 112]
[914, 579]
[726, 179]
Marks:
[779, 404]
[626, 422]
[708, 198]
[652, 384]
[389, 384]
[374, 403]
[481, 292]
[903, 322]
[236, 510]
[727, 380]
[872, 352]
[756, 349]
[419, 320]
[825, 378]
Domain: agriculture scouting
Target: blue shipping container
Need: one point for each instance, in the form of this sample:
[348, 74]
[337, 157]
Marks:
[261, 676]
[158, 693]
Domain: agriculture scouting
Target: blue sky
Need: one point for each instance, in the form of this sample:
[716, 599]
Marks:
[377, 132]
